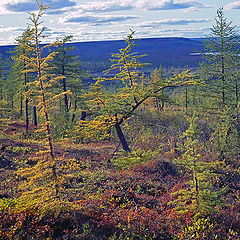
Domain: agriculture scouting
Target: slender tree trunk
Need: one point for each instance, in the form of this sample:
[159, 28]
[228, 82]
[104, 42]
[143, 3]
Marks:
[223, 90]
[186, 97]
[75, 104]
[65, 89]
[84, 115]
[27, 119]
[35, 116]
[45, 111]
[122, 138]
[236, 92]
[195, 179]
[163, 103]
[1, 92]
[75, 108]
[196, 187]
[73, 117]
[223, 76]
[49, 138]
[65, 96]
[21, 106]
[26, 100]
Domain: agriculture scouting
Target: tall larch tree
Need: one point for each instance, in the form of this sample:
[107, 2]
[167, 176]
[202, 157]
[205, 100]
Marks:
[19, 70]
[66, 64]
[42, 190]
[113, 108]
[221, 56]
[5, 92]
[1, 78]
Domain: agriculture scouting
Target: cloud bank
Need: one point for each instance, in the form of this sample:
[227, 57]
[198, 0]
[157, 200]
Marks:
[98, 20]
[103, 6]
[28, 6]
[167, 4]
[172, 22]
[233, 5]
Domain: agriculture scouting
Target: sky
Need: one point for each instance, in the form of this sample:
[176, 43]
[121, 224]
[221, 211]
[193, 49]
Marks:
[94, 20]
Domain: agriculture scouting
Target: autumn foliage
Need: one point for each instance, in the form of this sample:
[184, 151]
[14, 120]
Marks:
[120, 158]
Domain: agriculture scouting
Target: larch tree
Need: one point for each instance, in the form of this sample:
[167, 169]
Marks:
[9, 84]
[199, 196]
[1, 78]
[66, 64]
[113, 108]
[12, 90]
[221, 57]
[225, 139]
[6, 93]
[19, 72]
[42, 190]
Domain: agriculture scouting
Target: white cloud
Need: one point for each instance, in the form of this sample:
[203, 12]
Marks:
[233, 5]
[90, 18]
[3, 4]
[105, 6]
[55, 6]
[116, 5]
[172, 22]
[8, 29]
[168, 4]
[13, 1]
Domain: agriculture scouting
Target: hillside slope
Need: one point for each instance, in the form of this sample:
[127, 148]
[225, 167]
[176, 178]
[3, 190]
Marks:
[159, 51]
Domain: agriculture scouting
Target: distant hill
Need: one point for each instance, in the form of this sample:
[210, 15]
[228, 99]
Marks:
[160, 51]
[4, 50]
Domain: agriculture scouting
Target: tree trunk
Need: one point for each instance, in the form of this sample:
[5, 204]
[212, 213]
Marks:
[65, 89]
[73, 117]
[35, 116]
[236, 92]
[65, 96]
[186, 97]
[122, 138]
[21, 106]
[26, 110]
[75, 104]
[84, 115]
[26, 100]
[223, 75]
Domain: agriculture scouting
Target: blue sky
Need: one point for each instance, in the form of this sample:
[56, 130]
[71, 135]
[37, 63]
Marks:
[93, 20]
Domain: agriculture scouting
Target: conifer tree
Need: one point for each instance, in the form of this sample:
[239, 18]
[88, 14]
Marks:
[199, 196]
[225, 138]
[116, 107]
[221, 57]
[18, 71]
[7, 89]
[1, 78]
[9, 83]
[66, 64]
[161, 98]
[12, 89]
[43, 188]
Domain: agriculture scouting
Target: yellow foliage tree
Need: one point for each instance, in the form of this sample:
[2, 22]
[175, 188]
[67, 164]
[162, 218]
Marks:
[43, 188]
[121, 104]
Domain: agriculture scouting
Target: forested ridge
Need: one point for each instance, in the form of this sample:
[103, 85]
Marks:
[167, 51]
[134, 152]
